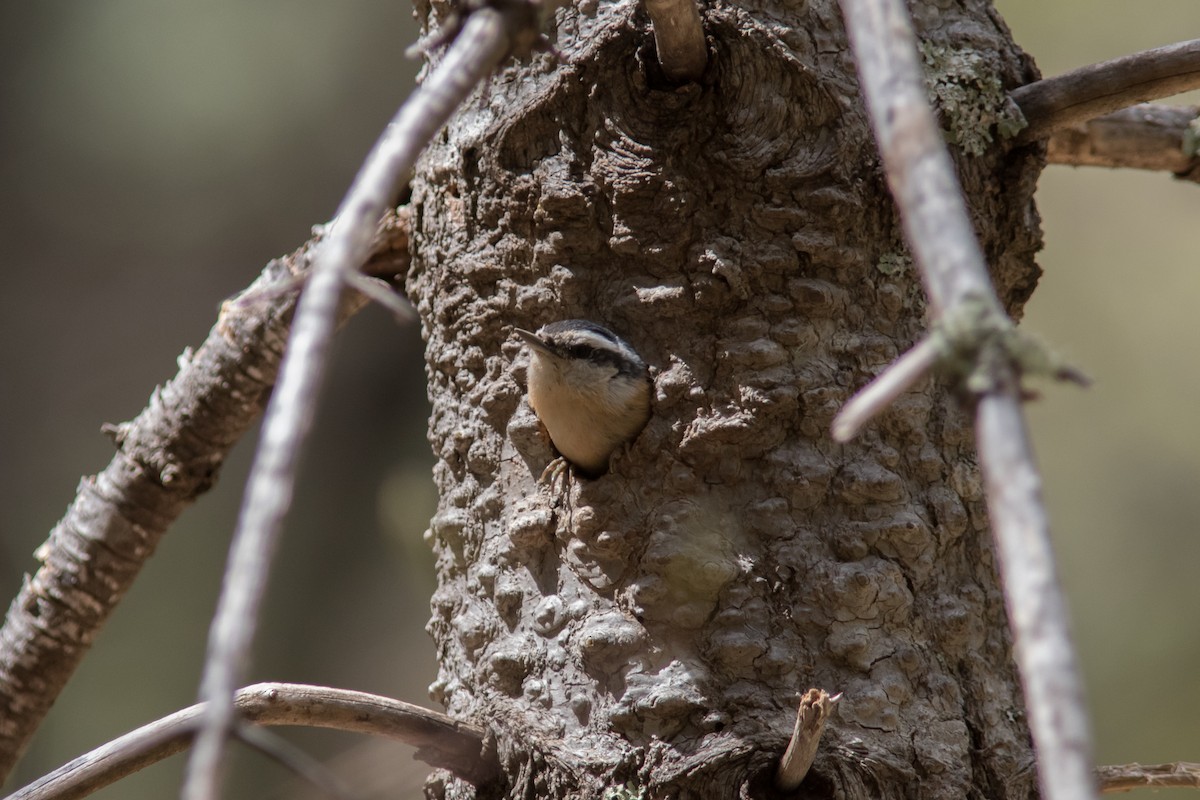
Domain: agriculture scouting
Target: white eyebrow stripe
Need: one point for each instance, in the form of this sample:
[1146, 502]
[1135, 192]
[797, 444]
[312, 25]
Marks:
[593, 339]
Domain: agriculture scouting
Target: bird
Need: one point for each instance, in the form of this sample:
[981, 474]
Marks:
[590, 389]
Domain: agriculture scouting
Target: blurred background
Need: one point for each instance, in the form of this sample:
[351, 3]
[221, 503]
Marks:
[154, 156]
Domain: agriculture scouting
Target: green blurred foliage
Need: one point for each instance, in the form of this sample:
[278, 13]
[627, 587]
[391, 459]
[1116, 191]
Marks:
[153, 156]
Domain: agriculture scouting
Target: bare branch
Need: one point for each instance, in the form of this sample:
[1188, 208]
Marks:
[678, 38]
[294, 759]
[1123, 777]
[1142, 137]
[940, 236]
[874, 398]
[441, 741]
[1037, 609]
[382, 293]
[167, 457]
[489, 35]
[1089, 92]
[815, 707]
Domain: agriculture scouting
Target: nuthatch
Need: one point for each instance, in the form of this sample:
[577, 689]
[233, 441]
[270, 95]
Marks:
[589, 388]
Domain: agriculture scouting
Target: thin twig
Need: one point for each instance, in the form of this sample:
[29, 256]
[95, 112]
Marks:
[1123, 777]
[1089, 92]
[1145, 136]
[167, 457]
[815, 707]
[441, 741]
[382, 293]
[871, 401]
[488, 36]
[678, 38]
[941, 238]
[294, 759]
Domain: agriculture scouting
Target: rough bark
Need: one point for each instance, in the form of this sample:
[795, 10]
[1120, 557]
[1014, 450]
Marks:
[649, 632]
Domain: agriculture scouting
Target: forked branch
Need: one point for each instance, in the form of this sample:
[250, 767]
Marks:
[939, 233]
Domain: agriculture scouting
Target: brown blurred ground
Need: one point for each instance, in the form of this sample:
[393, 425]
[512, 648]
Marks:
[154, 156]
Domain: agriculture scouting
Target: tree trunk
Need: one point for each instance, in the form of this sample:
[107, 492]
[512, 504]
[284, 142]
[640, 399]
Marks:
[647, 633]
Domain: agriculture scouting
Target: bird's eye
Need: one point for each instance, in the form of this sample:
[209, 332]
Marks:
[581, 351]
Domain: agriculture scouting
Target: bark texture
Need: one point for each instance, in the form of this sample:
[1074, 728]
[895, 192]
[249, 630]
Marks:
[648, 633]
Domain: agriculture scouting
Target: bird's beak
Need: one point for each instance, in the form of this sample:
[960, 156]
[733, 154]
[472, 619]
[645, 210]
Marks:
[534, 341]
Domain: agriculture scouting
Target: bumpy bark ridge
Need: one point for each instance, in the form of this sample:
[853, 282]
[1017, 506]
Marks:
[648, 632]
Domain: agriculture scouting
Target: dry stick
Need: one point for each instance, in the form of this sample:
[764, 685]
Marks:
[874, 398]
[381, 292]
[167, 457]
[1088, 92]
[939, 233]
[1142, 137]
[441, 741]
[304, 767]
[815, 707]
[678, 38]
[1123, 777]
[1054, 697]
[485, 40]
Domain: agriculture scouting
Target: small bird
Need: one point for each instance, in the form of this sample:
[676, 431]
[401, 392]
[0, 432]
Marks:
[589, 388]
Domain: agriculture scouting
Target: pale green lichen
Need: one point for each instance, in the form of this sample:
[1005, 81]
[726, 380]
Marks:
[1191, 138]
[625, 792]
[893, 263]
[969, 97]
[975, 337]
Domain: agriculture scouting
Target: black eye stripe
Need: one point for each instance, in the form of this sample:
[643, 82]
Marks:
[586, 351]
[602, 356]
[580, 340]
